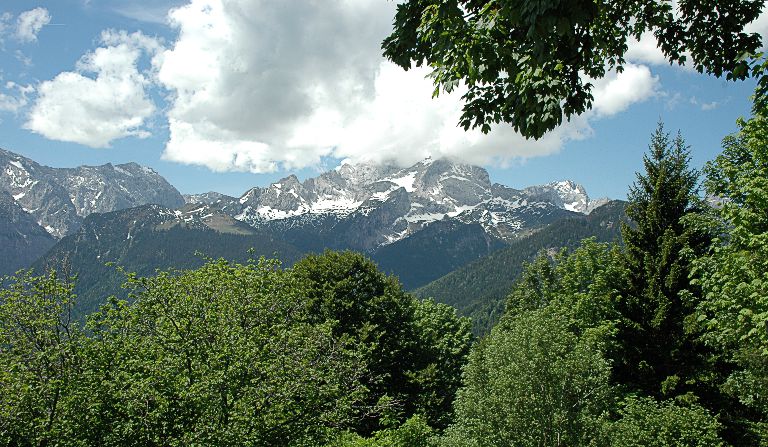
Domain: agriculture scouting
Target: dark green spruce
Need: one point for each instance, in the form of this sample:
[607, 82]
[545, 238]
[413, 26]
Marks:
[657, 356]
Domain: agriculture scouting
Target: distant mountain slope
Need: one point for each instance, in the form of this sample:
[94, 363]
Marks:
[151, 237]
[22, 240]
[384, 204]
[479, 288]
[59, 198]
[438, 249]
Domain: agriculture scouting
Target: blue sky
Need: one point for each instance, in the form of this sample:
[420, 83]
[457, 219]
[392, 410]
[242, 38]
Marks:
[227, 94]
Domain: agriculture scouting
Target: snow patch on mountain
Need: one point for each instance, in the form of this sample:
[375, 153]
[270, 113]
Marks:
[405, 181]
[59, 198]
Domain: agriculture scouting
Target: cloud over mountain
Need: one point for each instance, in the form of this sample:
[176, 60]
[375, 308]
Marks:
[258, 85]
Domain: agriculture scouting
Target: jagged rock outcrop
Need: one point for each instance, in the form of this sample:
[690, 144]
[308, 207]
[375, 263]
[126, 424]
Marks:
[21, 238]
[433, 189]
[59, 198]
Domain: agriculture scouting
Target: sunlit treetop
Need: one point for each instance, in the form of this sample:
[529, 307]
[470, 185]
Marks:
[529, 62]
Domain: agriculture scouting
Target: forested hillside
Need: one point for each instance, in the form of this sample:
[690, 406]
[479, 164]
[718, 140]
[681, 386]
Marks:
[652, 332]
[656, 341]
[478, 289]
[436, 250]
[130, 240]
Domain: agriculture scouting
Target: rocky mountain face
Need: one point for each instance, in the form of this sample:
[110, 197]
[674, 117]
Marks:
[206, 198]
[360, 207]
[379, 205]
[419, 222]
[22, 240]
[59, 198]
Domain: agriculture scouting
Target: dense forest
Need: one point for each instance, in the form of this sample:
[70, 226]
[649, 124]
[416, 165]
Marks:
[658, 340]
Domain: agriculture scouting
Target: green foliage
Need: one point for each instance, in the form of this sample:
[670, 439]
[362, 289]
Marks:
[411, 366]
[647, 423]
[39, 357]
[412, 433]
[658, 356]
[528, 63]
[479, 289]
[444, 342]
[734, 275]
[222, 355]
[532, 382]
[585, 283]
[229, 354]
[360, 302]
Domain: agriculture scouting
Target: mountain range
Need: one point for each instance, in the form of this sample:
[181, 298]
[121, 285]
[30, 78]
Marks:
[419, 222]
[389, 203]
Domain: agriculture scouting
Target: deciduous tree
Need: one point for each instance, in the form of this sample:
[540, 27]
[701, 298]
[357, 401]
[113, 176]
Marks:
[529, 63]
[734, 275]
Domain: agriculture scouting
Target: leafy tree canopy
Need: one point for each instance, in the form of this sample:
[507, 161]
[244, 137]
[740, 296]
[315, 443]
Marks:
[532, 382]
[230, 354]
[39, 356]
[734, 275]
[413, 350]
[647, 423]
[529, 63]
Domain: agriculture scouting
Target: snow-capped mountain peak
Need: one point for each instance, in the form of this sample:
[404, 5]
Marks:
[59, 198]
[372, 204]
[428, 191]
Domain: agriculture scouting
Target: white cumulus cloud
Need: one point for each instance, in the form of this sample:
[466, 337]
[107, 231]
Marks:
[403, 124]
[246, 73]
[260, 86]
[617, 91]
[29, 23]
[103, 100]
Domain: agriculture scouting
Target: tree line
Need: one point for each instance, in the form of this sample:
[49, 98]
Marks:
[661, 340]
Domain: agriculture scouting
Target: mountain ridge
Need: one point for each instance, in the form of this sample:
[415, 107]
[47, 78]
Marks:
[426, 192]
[398, 201]
[419, 222]
[60, 198]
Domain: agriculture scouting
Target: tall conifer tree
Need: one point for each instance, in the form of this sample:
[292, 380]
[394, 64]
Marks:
[656, 355]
